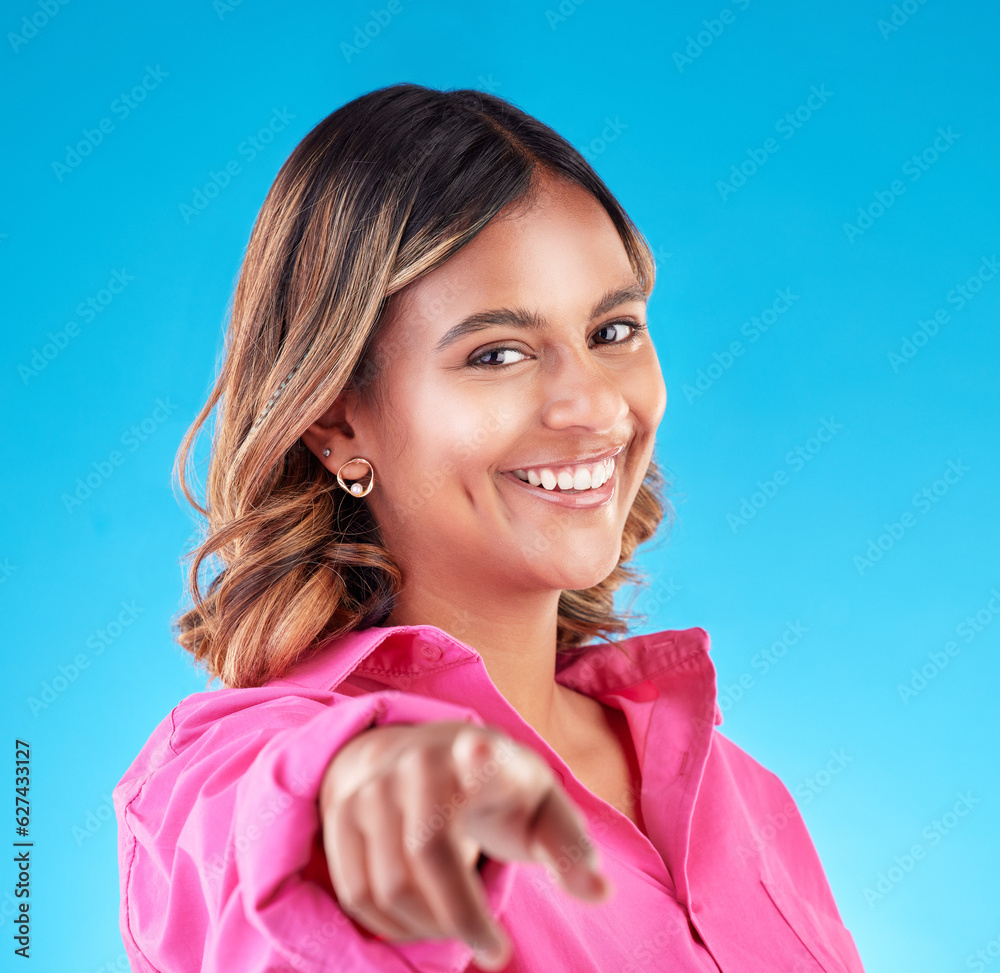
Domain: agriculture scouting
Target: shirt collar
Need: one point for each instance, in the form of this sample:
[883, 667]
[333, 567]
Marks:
[638, 667]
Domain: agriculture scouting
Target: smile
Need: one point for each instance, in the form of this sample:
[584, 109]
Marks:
[583, 476]
[596, 483]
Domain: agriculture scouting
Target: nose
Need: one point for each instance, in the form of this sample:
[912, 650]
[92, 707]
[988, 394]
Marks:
[579, 391]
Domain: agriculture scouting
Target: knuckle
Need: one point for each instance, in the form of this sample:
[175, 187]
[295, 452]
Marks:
[356, 904]
[416, 760]
[436, 850]
[372, 795]
[348, 807]
[398, 896]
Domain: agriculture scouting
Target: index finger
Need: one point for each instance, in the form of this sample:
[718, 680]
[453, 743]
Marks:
[558, 838]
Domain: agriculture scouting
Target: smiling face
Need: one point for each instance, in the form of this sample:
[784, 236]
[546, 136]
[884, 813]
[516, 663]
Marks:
[523, 358]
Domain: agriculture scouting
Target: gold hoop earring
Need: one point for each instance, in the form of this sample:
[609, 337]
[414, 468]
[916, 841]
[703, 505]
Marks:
[356, 489]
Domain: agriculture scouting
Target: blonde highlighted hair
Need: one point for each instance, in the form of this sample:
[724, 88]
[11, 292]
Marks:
[380, 192]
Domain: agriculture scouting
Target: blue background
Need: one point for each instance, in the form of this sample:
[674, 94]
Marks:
[133, 375]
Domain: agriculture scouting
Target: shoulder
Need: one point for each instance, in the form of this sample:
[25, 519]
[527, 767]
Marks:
[765, 824]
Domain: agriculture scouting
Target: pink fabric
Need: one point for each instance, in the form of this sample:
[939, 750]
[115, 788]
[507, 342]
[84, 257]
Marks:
[222, 868]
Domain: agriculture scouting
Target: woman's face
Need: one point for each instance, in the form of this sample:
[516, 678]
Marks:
[555, 376]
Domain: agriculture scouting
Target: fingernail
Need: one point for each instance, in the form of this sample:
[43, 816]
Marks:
[488, 954]
[601, 886]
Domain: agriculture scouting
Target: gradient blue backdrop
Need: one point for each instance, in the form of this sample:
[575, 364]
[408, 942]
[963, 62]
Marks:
[669, 105]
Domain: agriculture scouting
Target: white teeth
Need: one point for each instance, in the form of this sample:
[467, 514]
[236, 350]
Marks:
[590, 477]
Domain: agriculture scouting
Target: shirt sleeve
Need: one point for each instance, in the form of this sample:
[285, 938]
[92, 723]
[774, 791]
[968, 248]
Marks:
[220, 852]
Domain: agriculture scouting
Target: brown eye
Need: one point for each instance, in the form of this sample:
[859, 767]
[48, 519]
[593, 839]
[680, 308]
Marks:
[483, 358]
[617, 333]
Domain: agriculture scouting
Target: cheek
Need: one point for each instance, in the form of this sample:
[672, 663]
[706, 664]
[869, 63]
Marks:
[445, 436]
[474, 432]
[646, 393]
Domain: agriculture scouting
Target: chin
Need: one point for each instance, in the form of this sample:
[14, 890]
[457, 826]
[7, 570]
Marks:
[582, 576]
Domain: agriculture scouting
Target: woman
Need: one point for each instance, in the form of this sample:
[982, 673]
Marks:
[432, 461]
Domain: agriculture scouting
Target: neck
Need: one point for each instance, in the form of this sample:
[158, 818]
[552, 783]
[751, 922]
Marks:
[516, 637]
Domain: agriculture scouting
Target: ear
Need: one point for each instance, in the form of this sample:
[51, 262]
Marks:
[334, 431]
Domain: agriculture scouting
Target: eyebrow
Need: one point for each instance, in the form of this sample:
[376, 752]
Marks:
[516, 317]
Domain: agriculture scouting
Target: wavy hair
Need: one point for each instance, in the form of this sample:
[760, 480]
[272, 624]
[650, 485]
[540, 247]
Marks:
[382, 191]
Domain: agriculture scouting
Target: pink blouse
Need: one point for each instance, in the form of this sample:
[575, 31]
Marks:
[223, 870]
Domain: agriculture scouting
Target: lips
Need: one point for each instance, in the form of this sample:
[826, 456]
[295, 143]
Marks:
[585, 473]
[596, 497]
[578, 477]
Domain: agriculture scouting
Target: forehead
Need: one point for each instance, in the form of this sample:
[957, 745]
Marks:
[557, 252]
